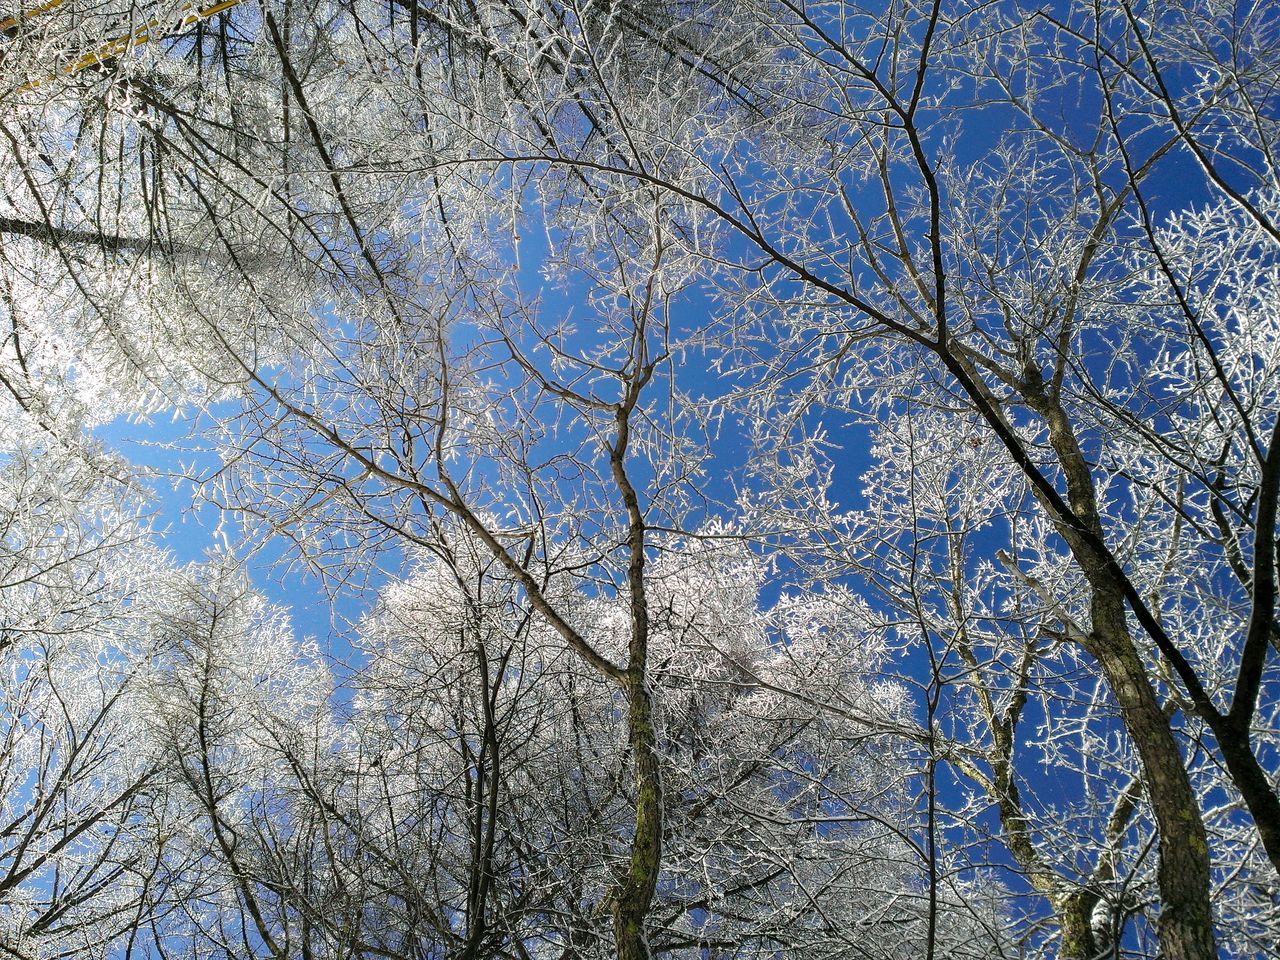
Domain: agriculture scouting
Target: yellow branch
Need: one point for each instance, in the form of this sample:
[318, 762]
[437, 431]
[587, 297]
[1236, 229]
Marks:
[113, 48]
[8, 23]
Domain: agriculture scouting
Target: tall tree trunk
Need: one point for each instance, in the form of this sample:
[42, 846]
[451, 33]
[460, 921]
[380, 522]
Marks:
[1185, 926]
[633, 894]
[1186, 922]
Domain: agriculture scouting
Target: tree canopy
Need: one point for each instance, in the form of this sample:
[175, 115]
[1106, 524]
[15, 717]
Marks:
[800, 479]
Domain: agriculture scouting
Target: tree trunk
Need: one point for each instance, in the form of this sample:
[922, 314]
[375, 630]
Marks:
[633, 894]
[1075, 918]
[1185, 927]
